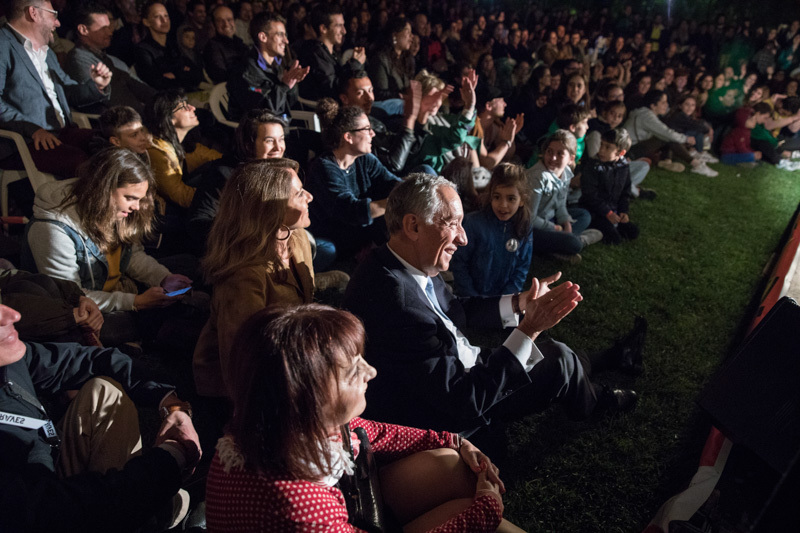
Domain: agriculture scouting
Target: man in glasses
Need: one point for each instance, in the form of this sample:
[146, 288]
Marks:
[36, 94]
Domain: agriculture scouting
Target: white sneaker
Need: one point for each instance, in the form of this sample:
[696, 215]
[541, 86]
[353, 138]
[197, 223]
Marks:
[795, 154]
[706, 157]
[786, 164]
[705, 170]
[591, 236]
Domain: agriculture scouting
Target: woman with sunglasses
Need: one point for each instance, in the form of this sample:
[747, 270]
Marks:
[351, 185]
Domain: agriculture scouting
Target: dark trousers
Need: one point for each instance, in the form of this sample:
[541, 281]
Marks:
[654, 146]
[562, 376]
[615, 234]
[62, 160]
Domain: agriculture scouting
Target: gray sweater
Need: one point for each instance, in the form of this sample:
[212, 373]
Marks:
[643, 124]
[548, 196]
[55, 253]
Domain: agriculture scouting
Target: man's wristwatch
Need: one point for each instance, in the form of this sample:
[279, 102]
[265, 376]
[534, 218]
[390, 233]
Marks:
[186, 407]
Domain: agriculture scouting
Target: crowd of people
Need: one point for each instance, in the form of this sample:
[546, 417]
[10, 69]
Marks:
[459, 143]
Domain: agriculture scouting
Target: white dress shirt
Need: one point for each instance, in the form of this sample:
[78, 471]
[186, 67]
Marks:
[39, 60]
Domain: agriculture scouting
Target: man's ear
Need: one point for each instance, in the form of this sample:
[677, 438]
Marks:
[622, 152]
[411, 226]
[83, 30]
[115, 141]
[262, 37]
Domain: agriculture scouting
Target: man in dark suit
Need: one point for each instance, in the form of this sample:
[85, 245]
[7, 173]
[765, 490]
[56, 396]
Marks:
[429, 375]
[35, 91]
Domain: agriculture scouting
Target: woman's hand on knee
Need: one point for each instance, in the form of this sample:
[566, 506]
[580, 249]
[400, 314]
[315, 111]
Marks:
[485, 486]
[480, 463]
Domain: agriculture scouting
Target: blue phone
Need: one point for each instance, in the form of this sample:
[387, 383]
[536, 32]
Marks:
[179, 291]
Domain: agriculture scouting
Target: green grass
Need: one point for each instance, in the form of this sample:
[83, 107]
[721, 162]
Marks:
[699, 259]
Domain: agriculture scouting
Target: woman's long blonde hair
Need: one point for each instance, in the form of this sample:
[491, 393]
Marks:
[251, 212]
[98, 178]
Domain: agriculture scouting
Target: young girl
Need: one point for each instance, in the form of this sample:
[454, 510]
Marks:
[497, 256]
[558, 230]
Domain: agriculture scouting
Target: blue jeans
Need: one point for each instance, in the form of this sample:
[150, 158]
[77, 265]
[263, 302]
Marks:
[732, 159]
[561, 242]
[639, 170]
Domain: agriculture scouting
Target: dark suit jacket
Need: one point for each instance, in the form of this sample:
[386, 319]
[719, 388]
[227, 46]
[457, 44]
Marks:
[125, 89]
[420, 380]
[24, 104]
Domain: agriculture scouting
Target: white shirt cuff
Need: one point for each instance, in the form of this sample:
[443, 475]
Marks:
[523, 349]
[507, 314]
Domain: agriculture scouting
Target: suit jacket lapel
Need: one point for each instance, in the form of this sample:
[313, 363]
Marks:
[22, 56]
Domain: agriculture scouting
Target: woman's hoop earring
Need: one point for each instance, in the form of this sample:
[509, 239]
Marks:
[288, 232]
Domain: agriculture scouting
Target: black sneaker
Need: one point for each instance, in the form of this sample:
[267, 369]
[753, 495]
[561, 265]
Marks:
[647, 194]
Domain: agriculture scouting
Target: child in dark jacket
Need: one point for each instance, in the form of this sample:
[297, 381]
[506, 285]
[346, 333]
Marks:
[606, 186]
[736, 145]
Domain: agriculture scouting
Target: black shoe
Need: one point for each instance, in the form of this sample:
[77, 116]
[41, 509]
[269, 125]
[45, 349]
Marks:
[630, 349]
[647, 194]
[611, 401]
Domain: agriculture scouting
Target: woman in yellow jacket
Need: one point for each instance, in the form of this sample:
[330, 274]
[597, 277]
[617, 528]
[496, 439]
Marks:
[169, 118]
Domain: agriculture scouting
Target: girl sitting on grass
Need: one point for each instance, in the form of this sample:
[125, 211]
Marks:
[497, 256]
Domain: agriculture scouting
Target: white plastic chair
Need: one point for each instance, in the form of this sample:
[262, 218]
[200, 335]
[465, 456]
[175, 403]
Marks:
[306, 104]
[83, 120]
[309, 119]
[36, 177]
[218, 100]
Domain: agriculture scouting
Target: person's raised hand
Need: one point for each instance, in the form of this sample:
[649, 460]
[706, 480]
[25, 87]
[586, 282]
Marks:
[468, 84]
[549, 308]
[359, 54]
[509, 130]
[100, 74]
[294, 74]
[43, 139]
[412, 99]
[520, 119]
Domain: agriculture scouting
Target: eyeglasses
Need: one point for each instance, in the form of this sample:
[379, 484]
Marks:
[181, 107]
[279, 34]
[53, 11]
[365, 128]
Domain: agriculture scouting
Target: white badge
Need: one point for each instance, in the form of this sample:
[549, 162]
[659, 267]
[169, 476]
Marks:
[14, 419]
[512, 245]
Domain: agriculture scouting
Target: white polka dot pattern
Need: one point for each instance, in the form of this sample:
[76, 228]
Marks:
[243, 501]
